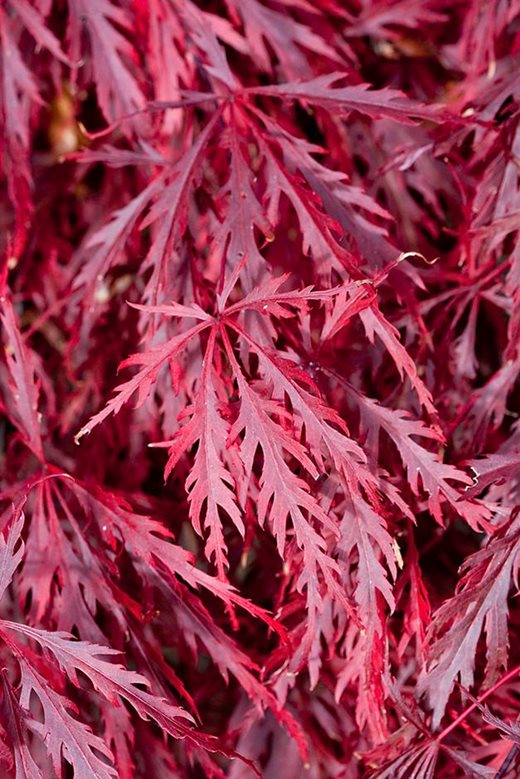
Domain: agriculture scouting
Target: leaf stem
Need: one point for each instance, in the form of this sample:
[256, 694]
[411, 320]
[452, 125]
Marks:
[509, 675]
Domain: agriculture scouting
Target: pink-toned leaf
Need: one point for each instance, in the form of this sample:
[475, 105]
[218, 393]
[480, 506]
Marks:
[376, 103]
[11, 544]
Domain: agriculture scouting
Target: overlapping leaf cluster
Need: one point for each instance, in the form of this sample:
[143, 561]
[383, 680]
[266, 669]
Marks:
[285, 539]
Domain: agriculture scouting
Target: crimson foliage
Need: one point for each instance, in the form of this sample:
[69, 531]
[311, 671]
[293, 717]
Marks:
[286, 540]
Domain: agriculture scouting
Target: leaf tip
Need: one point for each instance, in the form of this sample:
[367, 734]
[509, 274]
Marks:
[84, 431]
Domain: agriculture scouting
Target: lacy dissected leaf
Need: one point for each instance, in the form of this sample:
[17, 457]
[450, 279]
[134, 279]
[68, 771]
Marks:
[316, 228]
[419, 761]
[294, 227]
[151, 542]
[234, 240]
[169, 214]
[418, 609]
[118, 91]
[488, 405]
[418, 461]
[284, 494]
[199, 627]
[112, 681]
[376, 103]
[119, 736]
[68, 572]
[209, 478]
[22, 401]
[167, 57]
[380, 19]
[376, 324]
[210, 483]
[11, 544]
[143, 381]
[364, 530]
[16, 730]
[168, 194]
[20, 94]
[509, 729]
[482, 26]
[329, 236]
[64, 736]
[264, 27]
[108, 243]
[368, 556]
[204, 29]
[501, 468]
[480, 604]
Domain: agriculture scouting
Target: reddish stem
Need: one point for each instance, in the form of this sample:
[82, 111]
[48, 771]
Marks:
[509, 675]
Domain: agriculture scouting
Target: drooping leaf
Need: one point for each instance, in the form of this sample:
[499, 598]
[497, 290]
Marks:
[321, 91]
[11, 544]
